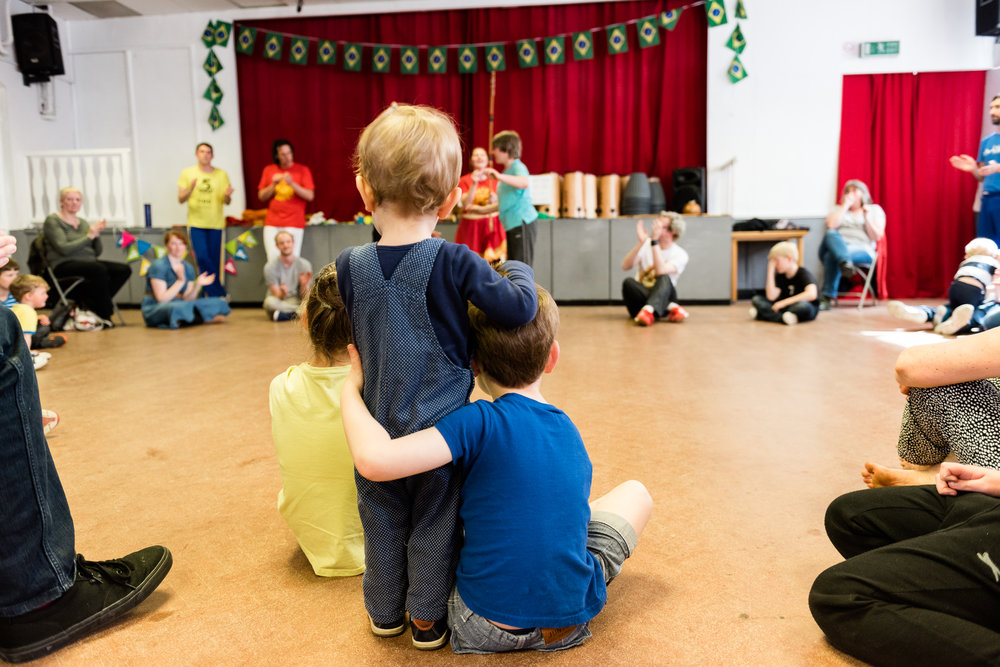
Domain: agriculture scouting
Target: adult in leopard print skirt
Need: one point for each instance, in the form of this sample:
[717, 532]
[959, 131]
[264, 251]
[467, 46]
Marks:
[952, 410]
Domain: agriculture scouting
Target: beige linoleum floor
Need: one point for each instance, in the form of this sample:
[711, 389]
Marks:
[743, 432]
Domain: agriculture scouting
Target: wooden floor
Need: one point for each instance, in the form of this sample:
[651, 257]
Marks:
[743, 432]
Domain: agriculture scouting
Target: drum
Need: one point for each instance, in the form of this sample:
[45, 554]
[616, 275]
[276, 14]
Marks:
[608, 194]
[636, 195]
[572, 195]
[590, 196]
[657, 197]
[546, 193]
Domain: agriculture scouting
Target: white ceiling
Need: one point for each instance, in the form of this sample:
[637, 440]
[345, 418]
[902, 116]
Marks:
[75, 10]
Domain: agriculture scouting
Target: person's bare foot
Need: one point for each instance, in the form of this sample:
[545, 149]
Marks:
[218, 319]
[876, 476]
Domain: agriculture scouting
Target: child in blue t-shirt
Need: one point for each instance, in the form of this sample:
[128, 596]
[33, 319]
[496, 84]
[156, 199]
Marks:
[407, 298]
[537, 557]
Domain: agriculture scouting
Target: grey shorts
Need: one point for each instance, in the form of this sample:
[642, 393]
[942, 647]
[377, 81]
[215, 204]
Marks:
[610, 538]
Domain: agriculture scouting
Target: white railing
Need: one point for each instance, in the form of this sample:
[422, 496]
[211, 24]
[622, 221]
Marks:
[104, 176]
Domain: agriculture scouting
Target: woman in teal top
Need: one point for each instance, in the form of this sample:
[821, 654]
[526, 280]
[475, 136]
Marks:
[516, 210]
[171, 299]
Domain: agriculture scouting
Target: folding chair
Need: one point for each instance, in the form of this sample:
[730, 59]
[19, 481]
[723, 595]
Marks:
[39, 265]
[871, 272]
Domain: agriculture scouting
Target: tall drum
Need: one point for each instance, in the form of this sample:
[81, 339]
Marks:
[636, 195]
[572, 199]
[608, 194]
[590, 196]
[657, 197]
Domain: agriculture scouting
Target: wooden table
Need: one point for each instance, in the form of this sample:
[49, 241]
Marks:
[772, 235]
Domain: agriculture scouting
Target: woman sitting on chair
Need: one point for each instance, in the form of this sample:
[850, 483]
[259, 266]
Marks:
[172, 289]
[72, 249]
[852, 231]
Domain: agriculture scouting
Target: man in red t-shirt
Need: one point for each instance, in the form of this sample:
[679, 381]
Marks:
[286, 187]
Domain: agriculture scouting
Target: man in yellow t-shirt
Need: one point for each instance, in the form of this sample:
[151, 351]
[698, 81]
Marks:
[205, 189]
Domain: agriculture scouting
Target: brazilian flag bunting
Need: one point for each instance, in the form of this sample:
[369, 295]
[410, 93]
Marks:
[208, 35]
[716, 13]
[437, 60]
[212, 65]
[669, 19]
[467, 59]
[583, 46]
[326, 54]
[736, 70]
[380, 58]
[272, 45]
[736, 40]
[245, 40]
[495, 58]
[649, 33]
[555, 52]
[352, 57]
[213, 93]
[527, 55]
[617, 39]
[215, 121]
[222, 32]
[741, 11]
[298, 52]
[409, 62]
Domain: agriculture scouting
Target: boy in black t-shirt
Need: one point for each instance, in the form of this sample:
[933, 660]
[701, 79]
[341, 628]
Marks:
[790, 293]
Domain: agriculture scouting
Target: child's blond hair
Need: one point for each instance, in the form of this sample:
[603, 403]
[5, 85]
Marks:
[24, 283]
[326, 316]
[411, 157]
[784, 249]
[980, 246]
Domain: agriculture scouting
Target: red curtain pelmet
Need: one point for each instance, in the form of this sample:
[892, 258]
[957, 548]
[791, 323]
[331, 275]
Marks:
[639, 111]
[897, 132]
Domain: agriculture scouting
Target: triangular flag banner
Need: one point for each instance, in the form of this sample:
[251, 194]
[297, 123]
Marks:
[583, 46]
[352, 57]
[298, 52]
[215, 120]
[132, 254]
[527, 55]
[213, 93]
[143, 246]
[272, 45]
[669, 19]
[125, 239]
[380, 58]
[736, 70]
[409, 61]
[241, 254]
[327, 52]
[741, 11]
[467, 59]
[208, 35]
[649, 33]
[248, 239]
[222, 32]
[144, 266]
[736, 40]
[437, 60]
[232, 245]
[159, 251]
[555, 52]
[716, 13]
[212, 64]
[230, 267]
[495, 58]
[617, 39]
[245, 40]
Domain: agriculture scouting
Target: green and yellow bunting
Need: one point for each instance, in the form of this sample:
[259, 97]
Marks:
[246, 39]
[649, 32]
[132, 254]
[273, 42]
[352, 57]
[212, 65]
[222, 32]
[736, 40]
[467, 59]
[555, 52]
[232, 246]
[381, 54]
[741, 11]
[159, 251]
[298, 51]
[208, 35]
[583, 46]
[617, 39]
[326, 54]
[213, 93]
[736, 70]
[527, 54]
[496, 60]
[409, 60]
[669, 19]
[437, 60]
[215, 121]
[716, 13]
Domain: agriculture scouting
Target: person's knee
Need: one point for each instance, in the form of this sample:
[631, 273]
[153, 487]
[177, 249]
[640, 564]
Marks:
[830, 596]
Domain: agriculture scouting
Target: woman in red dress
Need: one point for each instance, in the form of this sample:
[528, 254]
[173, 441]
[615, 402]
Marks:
[479, 226]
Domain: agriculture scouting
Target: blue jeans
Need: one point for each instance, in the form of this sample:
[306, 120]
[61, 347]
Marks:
[988, 221]
[207, 247]
[37, 548]
[833, 251]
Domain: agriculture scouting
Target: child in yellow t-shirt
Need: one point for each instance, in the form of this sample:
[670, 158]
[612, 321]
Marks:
[318, 498]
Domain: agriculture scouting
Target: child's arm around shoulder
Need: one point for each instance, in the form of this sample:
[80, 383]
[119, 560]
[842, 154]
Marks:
[377, 456]
[510, 301]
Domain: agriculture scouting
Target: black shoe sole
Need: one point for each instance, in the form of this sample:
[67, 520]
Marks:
[92, 624]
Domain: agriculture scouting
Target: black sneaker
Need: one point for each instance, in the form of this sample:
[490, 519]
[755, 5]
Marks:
[847, 268]
[391, 629]
[103, 591]
[432, 638]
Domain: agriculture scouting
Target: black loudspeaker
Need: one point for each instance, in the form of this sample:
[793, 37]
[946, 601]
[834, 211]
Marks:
[36, 43]
[689, 184]
[987, 17]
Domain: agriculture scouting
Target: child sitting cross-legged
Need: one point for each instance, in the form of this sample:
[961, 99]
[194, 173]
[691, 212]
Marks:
[31, 292]
[790, 293]
[537, 557]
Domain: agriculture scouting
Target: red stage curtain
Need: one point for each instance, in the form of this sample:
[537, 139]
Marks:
[639, 111]
[897, 132]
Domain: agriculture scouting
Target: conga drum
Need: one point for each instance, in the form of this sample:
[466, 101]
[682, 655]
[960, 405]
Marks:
[636, 195]
[590, 195]
[608, 194]
[549, 193]
[657, 197]
[572, 196]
